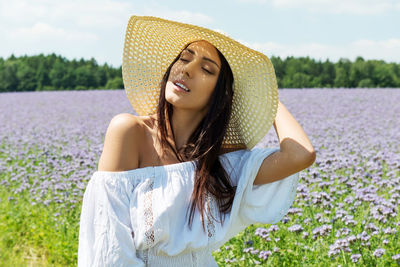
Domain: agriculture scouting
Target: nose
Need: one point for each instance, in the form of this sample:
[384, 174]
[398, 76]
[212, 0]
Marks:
[188, 68]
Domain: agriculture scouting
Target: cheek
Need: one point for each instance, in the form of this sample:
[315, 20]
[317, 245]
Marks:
[206, 91]
[210, 85]
[174, 70]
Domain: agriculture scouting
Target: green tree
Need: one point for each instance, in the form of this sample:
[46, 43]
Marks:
[26, 77]
[316, 82]
[356, 72]
[54, 72]
[384, 75]
[328, 74]
[57, 74]
[42, 76]
[342, 73]
[84, 77]
[279, 67]
[301, 80]
[341, 77]
[8, 76]
[115, 83]
[365, 83]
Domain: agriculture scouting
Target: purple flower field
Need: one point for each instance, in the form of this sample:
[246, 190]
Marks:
[347, 206]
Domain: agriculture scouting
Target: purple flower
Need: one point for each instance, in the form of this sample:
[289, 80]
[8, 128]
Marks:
[254, 251]
[342, 142]
[227, 260]
[333, 250]
[378, 252]
[363, 236]
[349, 200]
[247, 250]
[295, 211]
[262, 232]
[342, 231]
[295, 228]
[285, 219]
[348, 219]
[355, 257]
[371, 226]
[264, 254]
[321, 231]
[273, 228]
[389, 230]
[375, 233]
[351, 239]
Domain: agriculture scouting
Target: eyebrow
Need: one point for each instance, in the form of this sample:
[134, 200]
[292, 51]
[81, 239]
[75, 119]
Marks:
[205, 58]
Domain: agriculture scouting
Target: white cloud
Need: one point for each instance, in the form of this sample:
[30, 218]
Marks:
[102, 14]
[183, 16]
[41, 32]
[82, 16]
[71, 28]
[77, 28]
[388, 50]
[355, 7]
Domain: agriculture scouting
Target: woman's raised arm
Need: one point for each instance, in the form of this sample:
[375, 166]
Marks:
[296, 151]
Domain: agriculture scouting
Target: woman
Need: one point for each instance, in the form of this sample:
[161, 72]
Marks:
[190, 157]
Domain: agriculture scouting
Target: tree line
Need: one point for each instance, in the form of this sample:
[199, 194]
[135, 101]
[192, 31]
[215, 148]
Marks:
[304, 72]
[54, 72]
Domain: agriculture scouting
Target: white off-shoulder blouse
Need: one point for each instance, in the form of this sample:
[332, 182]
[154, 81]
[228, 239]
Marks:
[139, 217]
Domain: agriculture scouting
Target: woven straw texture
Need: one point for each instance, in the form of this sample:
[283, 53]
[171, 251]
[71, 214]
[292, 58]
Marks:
[152, 43]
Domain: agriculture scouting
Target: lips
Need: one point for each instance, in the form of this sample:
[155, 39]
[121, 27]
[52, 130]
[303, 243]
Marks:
[181, 84]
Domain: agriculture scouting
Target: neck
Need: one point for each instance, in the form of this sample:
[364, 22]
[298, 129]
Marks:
[184, 123]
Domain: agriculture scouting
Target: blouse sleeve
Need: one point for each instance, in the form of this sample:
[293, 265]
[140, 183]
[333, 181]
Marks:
[105, 233]
[266, 203]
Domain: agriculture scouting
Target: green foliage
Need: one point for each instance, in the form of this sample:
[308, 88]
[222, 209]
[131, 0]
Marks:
[33, 236]
[115, 83]
[33, 233]
[304, 72]
[53, 72]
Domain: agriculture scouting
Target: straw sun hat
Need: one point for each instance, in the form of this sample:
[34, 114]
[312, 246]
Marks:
[151, 44]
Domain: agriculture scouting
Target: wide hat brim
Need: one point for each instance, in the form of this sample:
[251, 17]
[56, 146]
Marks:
[151, 44]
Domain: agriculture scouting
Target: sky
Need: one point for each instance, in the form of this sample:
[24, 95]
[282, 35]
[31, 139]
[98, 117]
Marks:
[320, 29]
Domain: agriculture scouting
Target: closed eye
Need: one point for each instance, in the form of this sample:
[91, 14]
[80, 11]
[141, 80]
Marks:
[185, 60]
[207, 71]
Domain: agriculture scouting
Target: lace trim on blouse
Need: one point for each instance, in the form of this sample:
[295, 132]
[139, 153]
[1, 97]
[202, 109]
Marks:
[148, 219]
[148, 214]
[210, 215]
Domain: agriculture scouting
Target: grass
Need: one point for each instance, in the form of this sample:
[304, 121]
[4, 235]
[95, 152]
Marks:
[31, 235]
[47, 235]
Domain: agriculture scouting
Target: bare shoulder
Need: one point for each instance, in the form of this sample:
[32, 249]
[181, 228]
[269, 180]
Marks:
[121, 143]
[280, 165]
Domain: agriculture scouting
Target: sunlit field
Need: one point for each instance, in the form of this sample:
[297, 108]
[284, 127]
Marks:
[346, 211]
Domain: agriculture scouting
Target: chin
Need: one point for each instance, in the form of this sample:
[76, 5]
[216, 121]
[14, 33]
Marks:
[172, 97]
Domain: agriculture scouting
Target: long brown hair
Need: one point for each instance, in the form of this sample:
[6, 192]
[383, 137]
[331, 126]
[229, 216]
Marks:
[204, 145]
